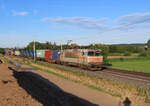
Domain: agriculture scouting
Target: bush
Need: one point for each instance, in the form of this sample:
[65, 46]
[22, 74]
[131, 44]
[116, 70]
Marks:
[121, 59]
[127, 54]
[143, 54]
[2, 51]
[148, 52]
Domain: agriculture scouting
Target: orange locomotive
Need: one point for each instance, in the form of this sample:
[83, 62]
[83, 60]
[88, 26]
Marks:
[89, 58]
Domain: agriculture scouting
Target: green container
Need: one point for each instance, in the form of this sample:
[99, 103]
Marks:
[40, 53]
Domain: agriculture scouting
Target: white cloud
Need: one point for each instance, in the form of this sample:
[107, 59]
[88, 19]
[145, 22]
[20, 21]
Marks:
[82, 22]
[126, 22]
[136, 18]
[22, 13]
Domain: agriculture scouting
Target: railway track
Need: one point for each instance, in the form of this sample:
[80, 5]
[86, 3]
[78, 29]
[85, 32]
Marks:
[130, 77]
[127, 74]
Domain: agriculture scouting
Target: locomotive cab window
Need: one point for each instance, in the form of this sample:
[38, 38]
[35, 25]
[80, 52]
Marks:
[97, 53]
[91, 53]
[94, 53]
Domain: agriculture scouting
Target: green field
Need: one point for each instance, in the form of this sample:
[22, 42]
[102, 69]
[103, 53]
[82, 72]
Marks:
[132, 64]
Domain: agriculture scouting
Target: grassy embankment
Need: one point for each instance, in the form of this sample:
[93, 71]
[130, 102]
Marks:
[138, 96]
[139, 64]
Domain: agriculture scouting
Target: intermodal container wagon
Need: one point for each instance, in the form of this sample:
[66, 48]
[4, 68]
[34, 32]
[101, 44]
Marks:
[40, 54]
[22, 53]
[12, 52]
[56, 55]
[26, 53]
[31, 53]
[17, 53]
[9, 52]
[48, 55]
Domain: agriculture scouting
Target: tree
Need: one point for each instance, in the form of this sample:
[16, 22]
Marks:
[2, 51]
[38, 45]
[148, 43]
[112, 49]
[73, 45]
[48, 45]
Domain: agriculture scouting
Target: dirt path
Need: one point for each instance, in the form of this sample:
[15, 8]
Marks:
[31, 89]
[81, 91]
[38, 88]
[11, 94]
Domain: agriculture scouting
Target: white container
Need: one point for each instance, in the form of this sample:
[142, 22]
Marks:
[17, 53]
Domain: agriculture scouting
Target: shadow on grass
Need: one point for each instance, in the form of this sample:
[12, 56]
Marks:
[46, 92]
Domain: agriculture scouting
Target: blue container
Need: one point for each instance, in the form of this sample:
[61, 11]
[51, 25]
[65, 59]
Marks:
[31, 53]
[56, 55]
[25, 53]
[22, 53]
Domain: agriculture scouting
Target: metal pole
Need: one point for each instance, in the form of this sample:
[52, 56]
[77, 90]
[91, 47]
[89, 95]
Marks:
[61, 47]
[68, 41]
[34, 49]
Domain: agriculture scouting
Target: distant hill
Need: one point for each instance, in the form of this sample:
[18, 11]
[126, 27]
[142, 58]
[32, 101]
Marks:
[133, 44]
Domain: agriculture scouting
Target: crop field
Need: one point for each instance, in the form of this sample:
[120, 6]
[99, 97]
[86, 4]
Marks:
[132, 64]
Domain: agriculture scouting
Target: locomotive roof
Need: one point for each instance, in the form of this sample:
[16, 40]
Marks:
[82, 50]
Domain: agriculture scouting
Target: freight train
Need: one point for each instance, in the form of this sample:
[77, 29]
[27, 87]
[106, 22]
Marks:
[84, 58]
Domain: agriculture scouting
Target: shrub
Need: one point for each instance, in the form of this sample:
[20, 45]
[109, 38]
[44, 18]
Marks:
[143, 54]
[148, 52]
[121, 59]
[2, 51]
[127, 54]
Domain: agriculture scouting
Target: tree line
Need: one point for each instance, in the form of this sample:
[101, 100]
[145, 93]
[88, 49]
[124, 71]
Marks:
[107, 48]
[127, 49]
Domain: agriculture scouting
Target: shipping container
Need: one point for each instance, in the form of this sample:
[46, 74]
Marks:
[9, 52]
[56, 55]
[6, 52]
[31, 53]
[40, 54]
[26, 53]
[12, 52]
[48, 55]
[22, 53]
[17, 53]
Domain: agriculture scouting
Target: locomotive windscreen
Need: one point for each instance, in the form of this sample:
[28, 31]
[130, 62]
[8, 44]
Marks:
[94, 53]
[97, 53]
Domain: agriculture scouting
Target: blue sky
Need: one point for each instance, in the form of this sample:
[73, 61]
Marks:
[83, 21]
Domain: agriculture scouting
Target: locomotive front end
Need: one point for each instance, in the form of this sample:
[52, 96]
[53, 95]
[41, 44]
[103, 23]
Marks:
[94, 58]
